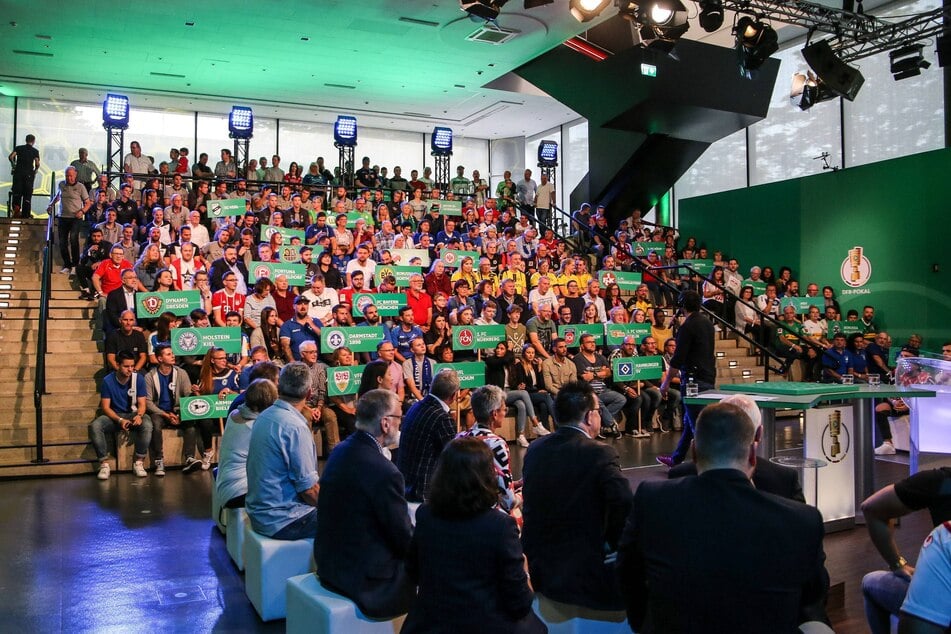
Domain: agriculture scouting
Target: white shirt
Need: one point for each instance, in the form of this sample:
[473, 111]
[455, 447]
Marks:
[537, 299]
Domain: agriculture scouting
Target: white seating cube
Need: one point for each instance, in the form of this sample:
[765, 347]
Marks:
[313, 609]
[268, 564]
[563, 618]
[234, 537]
[218, 513]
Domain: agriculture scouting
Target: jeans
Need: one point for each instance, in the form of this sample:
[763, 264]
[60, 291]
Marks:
[883, 592]
[611, 405]
[523, 407]
[205, 429]
[691, 412]
[302, 528]
[69, 241]
[544, 408]
[141, 434]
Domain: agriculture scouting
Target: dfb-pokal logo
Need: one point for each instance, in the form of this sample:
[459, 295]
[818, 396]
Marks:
[856, 268]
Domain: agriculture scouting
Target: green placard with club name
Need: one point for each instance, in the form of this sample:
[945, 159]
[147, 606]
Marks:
[477, 337]
[401, 273]
[626, 280]
[227, 207]
[210, 406]
[353, 216]
[288, 234]
[571, 333]
[410, 257]
[296, 273]
[702, 267]
[450, 207]
[758, 286]
[452, 258]
[641, 249]
[289, 253]
[151, 305]
[344, 381]
[388, 304]
[471, 374]
[845, 327]
[357, 338]
[615, 333]
[194, 341]
[638, 368]
[803, 304]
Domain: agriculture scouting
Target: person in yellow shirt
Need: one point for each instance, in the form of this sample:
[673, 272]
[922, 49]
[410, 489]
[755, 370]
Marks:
[485, 274]
[516, 273]
[565, 275]
[581, 274]
[465, 272]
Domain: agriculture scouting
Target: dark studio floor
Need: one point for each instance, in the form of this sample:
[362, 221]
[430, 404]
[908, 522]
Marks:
[143, 555]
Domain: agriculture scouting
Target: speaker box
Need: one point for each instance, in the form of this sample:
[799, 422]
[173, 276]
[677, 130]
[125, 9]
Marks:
[839, 77]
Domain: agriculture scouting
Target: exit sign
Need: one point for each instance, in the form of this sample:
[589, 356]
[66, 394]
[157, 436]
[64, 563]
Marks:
[648, 70]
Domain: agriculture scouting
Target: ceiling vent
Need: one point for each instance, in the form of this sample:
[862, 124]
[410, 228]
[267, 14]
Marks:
[491, 34]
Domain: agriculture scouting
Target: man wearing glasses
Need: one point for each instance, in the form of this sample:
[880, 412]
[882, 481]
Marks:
[362, 489]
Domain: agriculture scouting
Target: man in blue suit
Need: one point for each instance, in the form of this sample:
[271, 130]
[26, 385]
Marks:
[363, 526]
[427, 428]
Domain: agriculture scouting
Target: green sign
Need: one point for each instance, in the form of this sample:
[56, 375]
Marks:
[845, 327]
[401, 273]
[388, 304]
[615, 333]
[571, 333]
[345, 380]
[450, 207]
[638, 368]
[210, 406]
[803, 304]
[296, 273]
[759, 286]
[289, 253]
[227, 207]
[357, 338]
[625, 280]
[471, 374]
[410, 257]
[194, 341]
[288, 234]
[477, 337]
[702, 267]
[641, 249]
[353, 216]
[453, 258]
[150, 305]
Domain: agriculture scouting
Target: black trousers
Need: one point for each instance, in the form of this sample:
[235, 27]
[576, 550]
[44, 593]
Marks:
[22, 192]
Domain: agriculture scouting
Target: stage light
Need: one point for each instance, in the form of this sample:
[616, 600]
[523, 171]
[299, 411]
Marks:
[587, 10]
[548, 153]
[711, 15]
[807, 90]
[482, 9]
[441, 141]
[345, 131]
[660, 23]
[907, 61]
[240, 123]
[115, 112]
[755, 42]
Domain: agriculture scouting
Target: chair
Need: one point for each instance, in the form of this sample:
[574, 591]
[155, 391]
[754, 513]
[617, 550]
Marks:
[313, 609]
[234, 536]
[268, 564]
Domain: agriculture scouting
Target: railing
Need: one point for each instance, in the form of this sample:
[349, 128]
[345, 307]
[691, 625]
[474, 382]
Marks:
[39, 378]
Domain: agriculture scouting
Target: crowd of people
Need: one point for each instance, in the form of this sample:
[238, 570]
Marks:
[491, 260]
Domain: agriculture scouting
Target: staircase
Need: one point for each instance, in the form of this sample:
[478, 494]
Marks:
[73, 362]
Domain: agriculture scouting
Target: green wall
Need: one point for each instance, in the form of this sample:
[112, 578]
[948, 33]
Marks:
[897, 211]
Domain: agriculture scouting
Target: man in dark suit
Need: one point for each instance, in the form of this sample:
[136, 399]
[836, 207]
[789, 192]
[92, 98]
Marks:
[769, 477]
[363, 526]
[575, 500]
[427, 427]
[119, 301]
[712, 553]
[228, 262]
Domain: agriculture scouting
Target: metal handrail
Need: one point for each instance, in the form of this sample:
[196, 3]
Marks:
[39, 378]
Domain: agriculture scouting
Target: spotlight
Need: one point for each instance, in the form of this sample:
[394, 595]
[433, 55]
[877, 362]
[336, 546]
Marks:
[482, 9]
[548, 154]
[711, 15]
[831, 72]
[240, 123]
[809, 90]
[345, 131]
[907, 61]
[587, 10]
[660, 23]
[115, 112]
[441, 141]
[755, 42]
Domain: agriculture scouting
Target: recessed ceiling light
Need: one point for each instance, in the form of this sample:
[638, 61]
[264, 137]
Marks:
[189, 24]
[304, 38]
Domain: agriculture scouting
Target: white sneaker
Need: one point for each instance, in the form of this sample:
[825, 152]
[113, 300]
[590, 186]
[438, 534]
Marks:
[138, 468]
[64, 270]
[885, 449]
[72, 271]
[522, 442]
[540, 430]
[206, 460]
[160, 468]
[104, 471]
